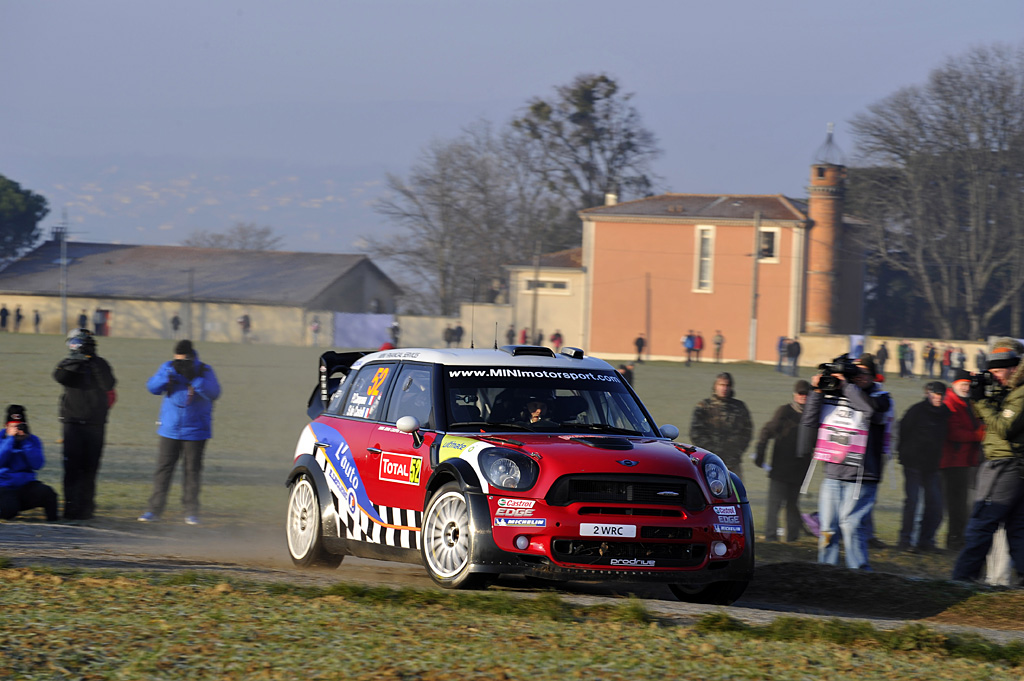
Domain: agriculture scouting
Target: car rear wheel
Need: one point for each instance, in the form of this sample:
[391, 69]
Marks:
[302, 527]
[448, 540]
[716, 593]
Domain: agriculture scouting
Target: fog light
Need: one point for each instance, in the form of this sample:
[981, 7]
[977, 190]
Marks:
[522, 542]
[719, 548]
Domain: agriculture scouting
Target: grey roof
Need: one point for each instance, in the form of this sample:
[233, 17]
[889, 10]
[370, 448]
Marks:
[704, 206]
[161, 273]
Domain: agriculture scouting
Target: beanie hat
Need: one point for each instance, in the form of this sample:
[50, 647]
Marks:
[867, 360]
[961, 375]
[184, 347]
[801, 387]
[1005, 353]
[15, 414]
[937, 387]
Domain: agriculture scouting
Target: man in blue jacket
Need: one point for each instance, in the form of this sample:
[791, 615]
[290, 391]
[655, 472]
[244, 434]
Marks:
[21, 455]
[189, 388]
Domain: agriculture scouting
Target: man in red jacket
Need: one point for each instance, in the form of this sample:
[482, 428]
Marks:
[961, 456]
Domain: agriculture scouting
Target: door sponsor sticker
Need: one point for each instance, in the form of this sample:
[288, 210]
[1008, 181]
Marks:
[725, 510]
[601, 530]
[738, 529]
[401, 468]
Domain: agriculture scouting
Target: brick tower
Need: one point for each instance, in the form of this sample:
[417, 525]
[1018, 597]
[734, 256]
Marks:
[825, 211]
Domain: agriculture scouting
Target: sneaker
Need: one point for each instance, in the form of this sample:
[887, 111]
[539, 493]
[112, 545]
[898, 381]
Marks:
[876, 543]
[192, 520]
[148, 517]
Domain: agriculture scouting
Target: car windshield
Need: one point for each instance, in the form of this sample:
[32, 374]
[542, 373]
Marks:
[494, 399]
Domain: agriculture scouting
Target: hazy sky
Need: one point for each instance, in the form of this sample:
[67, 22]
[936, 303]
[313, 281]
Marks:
[149, 119]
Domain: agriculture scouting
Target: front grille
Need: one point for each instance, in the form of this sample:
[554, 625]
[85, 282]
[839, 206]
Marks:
[618, 510]
[646, 554]
[652, 490]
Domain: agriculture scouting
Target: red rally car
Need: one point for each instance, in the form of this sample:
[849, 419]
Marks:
[515, 460]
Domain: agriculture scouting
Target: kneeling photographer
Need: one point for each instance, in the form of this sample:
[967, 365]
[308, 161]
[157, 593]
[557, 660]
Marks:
[998, 401]
[845, 424]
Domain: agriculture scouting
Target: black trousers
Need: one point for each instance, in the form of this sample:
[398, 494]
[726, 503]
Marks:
[780, 493]
[956, 484]
[999, 501]
[14, 500]
[191, 453]
[83, 449]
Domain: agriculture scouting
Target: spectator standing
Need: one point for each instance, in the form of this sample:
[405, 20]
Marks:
[721, 424]
[21, 455]
[640, 344]
[395, 330]
[83, 320]
[929, 360]
[947, 363]
[88, 395]
[901, 356]
[859, 408]
[189, 388]
[882, 356]
[999, 498]
[688, 342]
[960, 359]
[98, 322]
[510, 334]
[922, 434]
[175, 326]
[787, 469]
[718, 341]
[314, 328]
[18, 318]
[4, 314]
[961, 456]
[523, 336]
[539, 338]
[793, 353]
[37, 319]
[783, 354]
[245, 324]
[457, 333]
[556, 341]
[448, 335]
[980, 361]
[698, 344]
[911, 358]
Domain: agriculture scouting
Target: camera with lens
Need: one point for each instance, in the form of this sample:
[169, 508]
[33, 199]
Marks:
[843, 365]
[980, 383]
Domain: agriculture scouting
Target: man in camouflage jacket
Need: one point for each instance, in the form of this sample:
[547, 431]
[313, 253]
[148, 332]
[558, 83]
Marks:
[721, 424]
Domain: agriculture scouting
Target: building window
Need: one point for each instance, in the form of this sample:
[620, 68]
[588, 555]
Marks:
[768, 244]
[546, 285]
[705, 248]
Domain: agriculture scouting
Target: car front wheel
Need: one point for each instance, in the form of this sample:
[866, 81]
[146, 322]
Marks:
[448, 540]
[302, 527]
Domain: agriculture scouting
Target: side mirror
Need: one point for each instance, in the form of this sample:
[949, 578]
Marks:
[411, 425]
[669, 431]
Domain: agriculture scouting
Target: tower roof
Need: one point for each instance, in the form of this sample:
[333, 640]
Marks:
[829, 152]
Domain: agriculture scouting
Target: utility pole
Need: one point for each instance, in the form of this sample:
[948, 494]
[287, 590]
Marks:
[752, 350]
[61, 232]
[191, 287]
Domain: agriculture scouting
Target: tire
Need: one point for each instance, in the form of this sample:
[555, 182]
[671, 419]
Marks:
[448, 543]
[716, 593]
[303, 527]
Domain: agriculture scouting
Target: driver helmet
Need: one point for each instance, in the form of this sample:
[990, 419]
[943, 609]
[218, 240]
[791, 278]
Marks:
[81, 340]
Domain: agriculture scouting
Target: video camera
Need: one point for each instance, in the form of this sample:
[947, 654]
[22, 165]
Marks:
[980, 383]
[827, 381]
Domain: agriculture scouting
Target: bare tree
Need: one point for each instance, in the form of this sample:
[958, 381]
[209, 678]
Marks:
[242, 236]
[589, 141]
[945, 184]
[467, 208]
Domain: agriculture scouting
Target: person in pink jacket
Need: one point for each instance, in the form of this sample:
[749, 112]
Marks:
[961, 456]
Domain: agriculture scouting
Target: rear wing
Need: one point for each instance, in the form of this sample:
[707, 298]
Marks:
[334, 367]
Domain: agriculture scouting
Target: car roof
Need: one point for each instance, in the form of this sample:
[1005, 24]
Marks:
[507, 355]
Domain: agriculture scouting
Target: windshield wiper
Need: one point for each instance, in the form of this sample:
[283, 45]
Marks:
[486, 425]
[600, 428]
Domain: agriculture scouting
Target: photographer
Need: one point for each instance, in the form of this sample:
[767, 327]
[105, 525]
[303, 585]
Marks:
[189, 388]
[846, 424]
[88, 395]
[998, 401]
[21, 455]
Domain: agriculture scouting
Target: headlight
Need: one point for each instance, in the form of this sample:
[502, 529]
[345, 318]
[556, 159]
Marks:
[717, 476]
[508, 469]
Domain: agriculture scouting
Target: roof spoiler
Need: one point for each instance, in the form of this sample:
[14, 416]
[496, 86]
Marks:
[540, 351]
[331, 364]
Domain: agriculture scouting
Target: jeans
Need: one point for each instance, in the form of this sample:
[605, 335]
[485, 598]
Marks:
[191, 451]
[916, 481]
[844, 516]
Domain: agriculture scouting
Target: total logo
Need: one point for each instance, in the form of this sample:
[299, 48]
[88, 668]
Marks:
[633, 562]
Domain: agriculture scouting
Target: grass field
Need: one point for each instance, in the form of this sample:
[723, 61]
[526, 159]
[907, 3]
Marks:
[59, 624]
